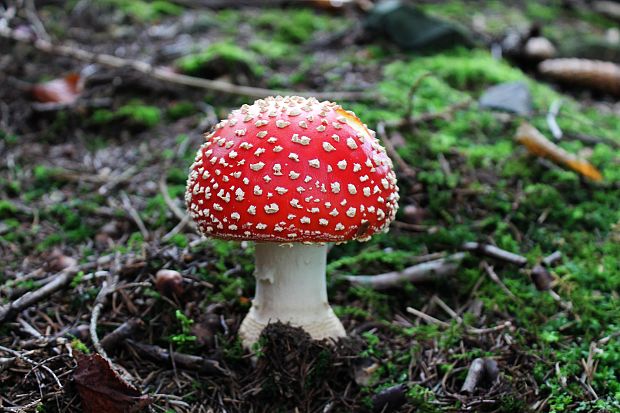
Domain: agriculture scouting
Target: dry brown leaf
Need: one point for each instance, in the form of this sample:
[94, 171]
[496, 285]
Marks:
[63, 90]
[103, 390]
[537, 144]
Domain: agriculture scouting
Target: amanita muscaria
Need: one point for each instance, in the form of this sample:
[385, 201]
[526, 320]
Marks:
[292, 174]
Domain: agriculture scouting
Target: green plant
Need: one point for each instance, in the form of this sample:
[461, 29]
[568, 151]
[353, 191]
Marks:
[184, 337]
[78, 345]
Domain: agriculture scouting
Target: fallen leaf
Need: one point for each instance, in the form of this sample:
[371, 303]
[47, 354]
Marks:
[537, 144]
[103, 390]
[63, 90]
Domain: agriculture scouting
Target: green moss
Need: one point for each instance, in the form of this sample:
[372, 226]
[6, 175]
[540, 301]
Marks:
[134, 112]
[273, 49]
[422, 398]
[141, 114]
[225, 54]
[179, 110]
[144, 11]
[7, 209]
[8, 138]
[296, 26]
[79, 346]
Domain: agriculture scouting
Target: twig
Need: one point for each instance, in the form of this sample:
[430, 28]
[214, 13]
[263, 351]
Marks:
[608, 338]
[134, 215]
[480, 368]
[61, 279]
[591, 140]
[178, 227]
[445, 307]
[469, 330]
[411, 227]
[425, 271]
[493, 275]
[430, 116]
[474, 376]
[120, 333]
[163, 188]
[27, 328]
[167, 75]
[32, 362]
[111, 182]
[184, 219]
[428, 318]
[107, 287]
[552, 258]
[182, 360]
[407, 170]
[33, 18]
[495, 252]
[407, 116]
[552, 121]
[487, 330]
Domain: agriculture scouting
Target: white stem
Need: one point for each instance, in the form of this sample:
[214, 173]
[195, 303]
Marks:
[290, 287]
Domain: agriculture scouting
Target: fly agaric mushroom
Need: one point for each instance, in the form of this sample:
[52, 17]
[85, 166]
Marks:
[291, 174]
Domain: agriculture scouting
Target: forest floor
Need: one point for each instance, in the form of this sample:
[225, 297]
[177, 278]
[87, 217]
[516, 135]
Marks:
[91, 208]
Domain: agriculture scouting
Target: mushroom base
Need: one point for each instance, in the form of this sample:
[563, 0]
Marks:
[291, 288]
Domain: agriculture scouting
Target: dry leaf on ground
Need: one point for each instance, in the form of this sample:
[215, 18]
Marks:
[537, 144]
[103, 390]
[62, 90]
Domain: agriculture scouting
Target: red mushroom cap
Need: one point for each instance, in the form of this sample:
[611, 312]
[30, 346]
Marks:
[291, 169]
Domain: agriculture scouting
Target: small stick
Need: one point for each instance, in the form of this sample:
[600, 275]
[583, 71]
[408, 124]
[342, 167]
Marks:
[120, 333]
[495, 252]
[178, 227]
[474, 375]
[61, 280]
[552, 258]
[493, 275]
[182, 360]
[27, 328]
[445, 307]
[428, 318]
[167, 75]
[410, 227]
[487, 330]
[469, 330]
[407, 170]
[107, 287]
[33, 363]
[425, 271]
[552, 121]
[410, 96]
[591, 140]
[134, 215]
[163, 188]
[430, 116]
[480, 368]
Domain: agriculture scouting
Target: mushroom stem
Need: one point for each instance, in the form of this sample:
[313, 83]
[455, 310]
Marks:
[290, 287]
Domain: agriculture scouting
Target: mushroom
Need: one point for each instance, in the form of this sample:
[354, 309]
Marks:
[292, 174]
